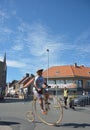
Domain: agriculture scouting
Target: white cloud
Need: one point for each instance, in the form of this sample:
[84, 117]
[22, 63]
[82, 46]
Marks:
[39, 39]
[1, 58]
[32, 41]
[17, 47]
[83, 37]
[5, 30]
[3, 16]
[16, 64]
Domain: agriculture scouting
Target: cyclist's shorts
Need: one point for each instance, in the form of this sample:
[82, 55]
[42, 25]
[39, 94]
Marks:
[38, 95]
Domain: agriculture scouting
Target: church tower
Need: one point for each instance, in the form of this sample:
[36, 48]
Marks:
[3, 73]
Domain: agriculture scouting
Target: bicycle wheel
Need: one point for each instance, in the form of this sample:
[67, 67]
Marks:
[54, 111]
[30, 116]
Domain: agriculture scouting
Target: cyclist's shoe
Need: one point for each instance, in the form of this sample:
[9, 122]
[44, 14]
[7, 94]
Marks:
[44, 112]
[65, 107]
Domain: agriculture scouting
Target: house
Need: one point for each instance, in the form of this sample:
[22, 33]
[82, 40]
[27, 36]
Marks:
[70, 76]
[10, 89]
[24, 86]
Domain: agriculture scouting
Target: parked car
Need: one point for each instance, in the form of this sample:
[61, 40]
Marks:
[81, 100]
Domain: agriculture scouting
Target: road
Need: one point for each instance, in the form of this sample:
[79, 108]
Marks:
[12, 114]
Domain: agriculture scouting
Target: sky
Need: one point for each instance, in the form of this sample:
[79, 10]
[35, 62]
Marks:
[29, 27]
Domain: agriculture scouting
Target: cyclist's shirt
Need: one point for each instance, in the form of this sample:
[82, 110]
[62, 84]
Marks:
[39, 81]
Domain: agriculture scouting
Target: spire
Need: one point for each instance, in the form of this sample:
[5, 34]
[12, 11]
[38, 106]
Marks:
[4, 58]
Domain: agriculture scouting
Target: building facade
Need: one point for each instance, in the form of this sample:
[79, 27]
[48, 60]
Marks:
[23, 87]
[71, 76]
[3, 73]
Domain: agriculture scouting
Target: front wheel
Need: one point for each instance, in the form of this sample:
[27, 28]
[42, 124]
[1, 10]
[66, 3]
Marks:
[54, 111]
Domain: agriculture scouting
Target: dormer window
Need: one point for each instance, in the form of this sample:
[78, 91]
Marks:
[89, 72]
[57, 72]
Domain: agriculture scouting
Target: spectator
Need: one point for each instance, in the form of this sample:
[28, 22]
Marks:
[65, 95]
[71, 102]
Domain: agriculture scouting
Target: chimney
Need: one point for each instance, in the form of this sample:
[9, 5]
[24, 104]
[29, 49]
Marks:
[82, 65]
[75, 64]
[27, 74]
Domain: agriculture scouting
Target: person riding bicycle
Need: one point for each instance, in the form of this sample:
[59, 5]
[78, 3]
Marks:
[39, 89]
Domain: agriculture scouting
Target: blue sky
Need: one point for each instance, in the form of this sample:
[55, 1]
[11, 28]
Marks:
[29, 27]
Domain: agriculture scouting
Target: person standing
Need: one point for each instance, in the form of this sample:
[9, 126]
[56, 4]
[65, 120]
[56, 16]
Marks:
[71, 100]
[65, 95]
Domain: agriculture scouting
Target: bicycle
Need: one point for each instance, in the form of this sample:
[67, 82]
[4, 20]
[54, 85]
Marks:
[54, 111]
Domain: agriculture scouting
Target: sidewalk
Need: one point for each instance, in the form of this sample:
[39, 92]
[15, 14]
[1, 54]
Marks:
[4, 127]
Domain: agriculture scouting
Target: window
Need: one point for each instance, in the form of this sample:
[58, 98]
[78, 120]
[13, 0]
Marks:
[79, 83]
[88, 83]
[57, 72]
[51, 81]
[69, 81]
[59, 81]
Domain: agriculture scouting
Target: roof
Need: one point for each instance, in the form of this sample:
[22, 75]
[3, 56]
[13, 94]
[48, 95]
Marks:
[23, 79]
[27, 84]
[67, 71]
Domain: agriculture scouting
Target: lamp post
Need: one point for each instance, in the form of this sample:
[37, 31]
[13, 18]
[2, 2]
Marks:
[48, 65]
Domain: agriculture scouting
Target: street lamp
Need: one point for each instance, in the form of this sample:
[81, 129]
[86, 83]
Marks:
[48, 65]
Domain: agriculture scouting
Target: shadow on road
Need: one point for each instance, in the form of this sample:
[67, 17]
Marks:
[8, 123]
[14, 100]
[74, 125]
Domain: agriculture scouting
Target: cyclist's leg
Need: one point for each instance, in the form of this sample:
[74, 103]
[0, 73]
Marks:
[40, 99]
[46, 101]
[46, 97]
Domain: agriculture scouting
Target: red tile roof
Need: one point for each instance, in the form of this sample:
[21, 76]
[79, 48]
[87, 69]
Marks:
[67, 71]
[27, 84]
[22, 80]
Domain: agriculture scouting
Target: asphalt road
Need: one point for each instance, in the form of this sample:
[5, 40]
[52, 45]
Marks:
[12, 114]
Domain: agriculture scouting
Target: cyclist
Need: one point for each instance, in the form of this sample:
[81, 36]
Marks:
[39, 89]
